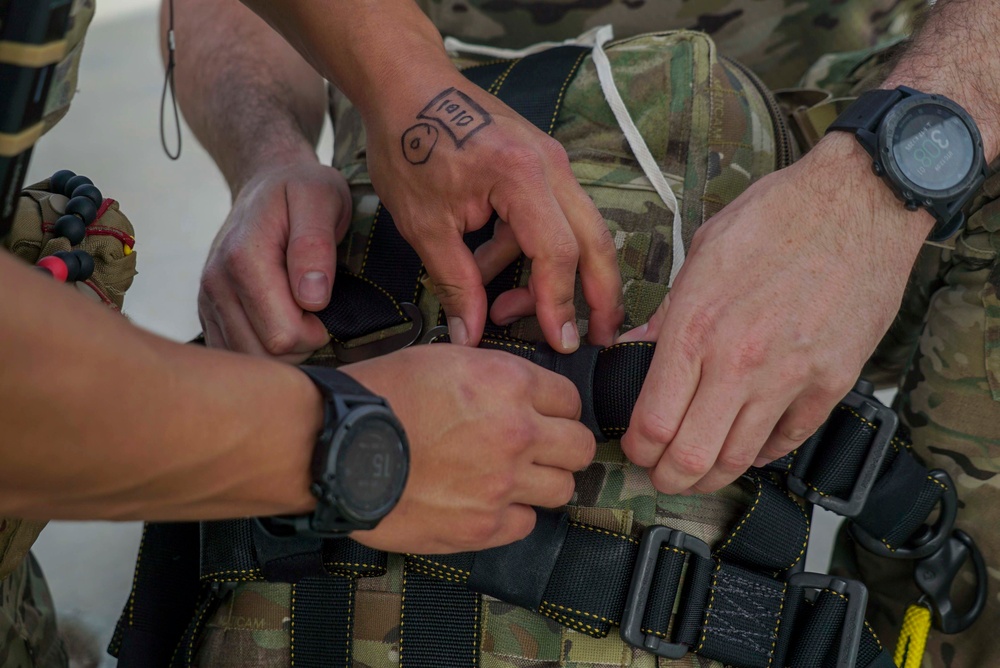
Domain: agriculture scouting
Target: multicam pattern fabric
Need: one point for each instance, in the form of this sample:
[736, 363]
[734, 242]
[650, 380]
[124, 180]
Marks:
[710, 131]
[779, 39]
[950, 400]
[28, 635]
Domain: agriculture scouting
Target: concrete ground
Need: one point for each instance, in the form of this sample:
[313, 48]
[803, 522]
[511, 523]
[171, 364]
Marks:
[112, 136]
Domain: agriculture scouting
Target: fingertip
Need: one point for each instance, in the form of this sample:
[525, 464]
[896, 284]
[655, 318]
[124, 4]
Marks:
[569, 337]
[313, 290]
[457, 331]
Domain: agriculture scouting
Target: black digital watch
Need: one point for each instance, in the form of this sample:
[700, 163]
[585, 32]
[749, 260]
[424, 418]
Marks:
[925, 147]
[359, 465]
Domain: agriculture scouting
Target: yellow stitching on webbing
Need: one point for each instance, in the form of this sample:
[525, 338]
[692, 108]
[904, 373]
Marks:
[291, 640]
[562, 91]
[245, 575]
[371, 237]
[439, 565]
[805, 542]
[350, 612]
[938, 483]
[753, 507]
[438, 575]
[135, 576]
[402, 614]
[496, 85]
[629, 344]
[194, 636]
[508, 345]
[708, 611]
[874, 635]
[331, 564]
[606, 532]
[574, 624]
[577, 612]
[857, 415]
[777, 623]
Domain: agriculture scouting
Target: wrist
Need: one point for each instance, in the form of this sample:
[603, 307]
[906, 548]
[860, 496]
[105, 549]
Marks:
[267, 158]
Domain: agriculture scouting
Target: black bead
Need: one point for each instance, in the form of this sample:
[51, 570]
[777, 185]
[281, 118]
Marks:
[75, 183]
[57, 183]
[90, 192]
[72, 228]
[72, 263]
[83, 207]
[86, 264]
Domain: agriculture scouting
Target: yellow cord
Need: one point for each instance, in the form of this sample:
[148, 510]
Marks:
[913, 637]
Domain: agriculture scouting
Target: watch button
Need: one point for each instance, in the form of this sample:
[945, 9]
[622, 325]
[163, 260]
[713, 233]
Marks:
[877, 169]
[912, 205]
[317, 490]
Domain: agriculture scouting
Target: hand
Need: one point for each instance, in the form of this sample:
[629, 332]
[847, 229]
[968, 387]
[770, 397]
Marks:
[784, 295]
[442, 177]
[273, 263]
[481, 453]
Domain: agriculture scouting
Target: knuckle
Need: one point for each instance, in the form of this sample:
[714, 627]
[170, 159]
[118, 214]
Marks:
[279, 342]
[695, 333]
[520, 434]
[736, 460]
[498, 487]
[564, 491]
[482, 530]
[801, 428]
[520, 159]
[314, 244]
[655, 428]
[748, 355]
[691, 460]
[555, 153]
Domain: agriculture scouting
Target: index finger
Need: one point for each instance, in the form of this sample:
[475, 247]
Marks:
[599, 273]
[554, 395]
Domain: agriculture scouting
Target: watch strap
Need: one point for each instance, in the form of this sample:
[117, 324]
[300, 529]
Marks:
[332, 382]
[867, 111]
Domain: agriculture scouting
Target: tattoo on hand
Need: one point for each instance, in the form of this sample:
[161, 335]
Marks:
[453, 111]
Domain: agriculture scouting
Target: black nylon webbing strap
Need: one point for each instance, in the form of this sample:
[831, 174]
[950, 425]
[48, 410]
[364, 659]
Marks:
[439, 623]
[165, 591]
[321, 622]
[866, 112]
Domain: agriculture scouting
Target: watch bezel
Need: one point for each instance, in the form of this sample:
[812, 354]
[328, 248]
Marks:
[335, 507]
[908, 190]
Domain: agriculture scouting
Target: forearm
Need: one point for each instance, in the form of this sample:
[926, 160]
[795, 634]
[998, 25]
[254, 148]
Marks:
[251, 100]
[371, 49]
[102, 420]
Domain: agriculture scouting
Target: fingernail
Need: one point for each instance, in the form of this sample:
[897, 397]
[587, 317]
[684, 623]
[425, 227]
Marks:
[570, 337]
[457, 331]
[313, 287]
[761, 461]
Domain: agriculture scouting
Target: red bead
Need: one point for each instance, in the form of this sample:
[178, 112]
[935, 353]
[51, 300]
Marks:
[54, 266]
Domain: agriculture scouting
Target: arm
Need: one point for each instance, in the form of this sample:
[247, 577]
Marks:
[389, 60]
[104, 421]
[258, 109]
[787, 291]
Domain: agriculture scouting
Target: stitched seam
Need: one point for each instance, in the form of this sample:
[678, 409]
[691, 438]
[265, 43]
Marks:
[562, 91]
[506, 344]
[402, 613]
[195, 633]
[805, 542]
[439, 565]
[252, 574]
[291, 641]
[577, 612]
[371, 236]
[753, 507]
[135, 577]
[416, 568]
[574, 624]
[350, 622]
[496, 85]
[629, 344]
[708, 611]
[609, 533]
[777, 624]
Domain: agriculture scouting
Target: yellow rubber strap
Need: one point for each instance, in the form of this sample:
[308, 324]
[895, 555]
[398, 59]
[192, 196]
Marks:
[913, 637]
[32, 55]
[16, 144]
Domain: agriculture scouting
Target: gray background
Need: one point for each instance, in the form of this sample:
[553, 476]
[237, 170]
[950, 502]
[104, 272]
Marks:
[112, 136]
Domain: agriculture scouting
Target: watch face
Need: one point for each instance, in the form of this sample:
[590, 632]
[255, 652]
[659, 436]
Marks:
[371, 467]
[933, 147]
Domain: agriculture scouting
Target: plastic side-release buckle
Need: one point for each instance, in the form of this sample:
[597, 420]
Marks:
[929, 539]
[854, 616]
[642, 580]
[936, 574]
[886, 422]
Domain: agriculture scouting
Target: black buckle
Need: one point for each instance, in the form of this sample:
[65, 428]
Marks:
[936, 574]
[886, 422]
[854, 617]
[929, 539]
[642, 581]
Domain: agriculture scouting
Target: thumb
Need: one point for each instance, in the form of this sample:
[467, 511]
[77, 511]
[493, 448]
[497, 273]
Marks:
[312, 247]
[651, 330]
[459, 287]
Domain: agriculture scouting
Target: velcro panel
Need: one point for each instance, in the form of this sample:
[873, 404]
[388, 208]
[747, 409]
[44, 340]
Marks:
[773, 532]
[900, 502]
[321, 619]
[618, 378]
[439, 623]
[743, 618]
[519, 573]
[579, 368]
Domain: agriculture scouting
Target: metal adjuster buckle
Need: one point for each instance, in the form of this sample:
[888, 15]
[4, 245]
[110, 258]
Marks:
[642, 580]
[926, 541]
[390, 344]
[854, 616]
[936, 574]
[886, 422]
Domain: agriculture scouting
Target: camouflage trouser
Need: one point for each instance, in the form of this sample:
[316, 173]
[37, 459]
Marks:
[28, 637]
[950, 399]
